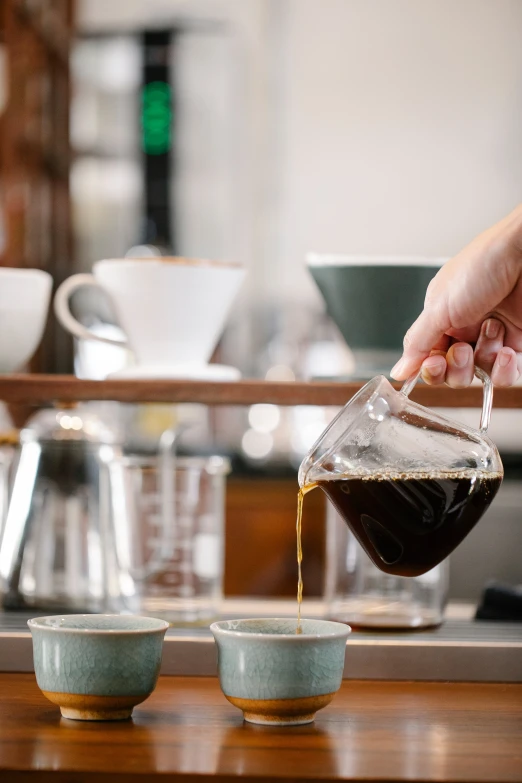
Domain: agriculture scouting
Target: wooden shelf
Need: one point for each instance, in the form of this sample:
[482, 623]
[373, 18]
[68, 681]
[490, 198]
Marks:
[37, 389]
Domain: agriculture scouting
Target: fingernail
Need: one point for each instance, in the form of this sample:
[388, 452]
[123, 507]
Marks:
[461, 355]
[503, 359]
[433, 366]
[492, 328]
[399, 368]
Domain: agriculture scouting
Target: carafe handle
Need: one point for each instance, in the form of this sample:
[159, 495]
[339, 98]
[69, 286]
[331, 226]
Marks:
[487, 399]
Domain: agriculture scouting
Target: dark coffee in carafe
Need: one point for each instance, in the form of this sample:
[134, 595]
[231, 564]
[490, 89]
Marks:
[408, 523]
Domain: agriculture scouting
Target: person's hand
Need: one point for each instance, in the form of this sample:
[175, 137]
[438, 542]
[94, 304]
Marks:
[472, 313]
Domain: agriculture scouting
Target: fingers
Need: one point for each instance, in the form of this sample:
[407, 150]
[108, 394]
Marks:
[513, 339]
[418, 342]
[456, 367]
[501, 362]
[454, 364]
[466, 334]
[505, 369]
[461, 365]
[434, 370]
[489, 343]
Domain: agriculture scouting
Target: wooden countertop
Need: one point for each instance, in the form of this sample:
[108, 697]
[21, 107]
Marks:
[373, 731]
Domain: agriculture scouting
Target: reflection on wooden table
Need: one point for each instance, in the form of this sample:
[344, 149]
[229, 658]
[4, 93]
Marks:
[372, 731]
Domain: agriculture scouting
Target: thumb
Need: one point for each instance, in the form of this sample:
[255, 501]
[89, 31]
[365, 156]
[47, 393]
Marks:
[420, 339]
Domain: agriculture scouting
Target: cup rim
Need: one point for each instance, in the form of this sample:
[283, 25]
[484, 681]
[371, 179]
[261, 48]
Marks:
[173, 261]
[341, 259]
[26, 272]
[39, 623]
[340, 630]
[213, 464]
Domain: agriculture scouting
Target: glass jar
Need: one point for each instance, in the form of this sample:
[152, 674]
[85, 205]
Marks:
[174, 529]
[358, 593]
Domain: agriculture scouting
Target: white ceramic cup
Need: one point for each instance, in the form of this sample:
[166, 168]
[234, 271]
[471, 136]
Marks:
[172, 310]
[24, 303]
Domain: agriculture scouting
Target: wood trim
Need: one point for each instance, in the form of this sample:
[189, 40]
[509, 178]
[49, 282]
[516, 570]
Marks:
[39, 388]
[35, 152]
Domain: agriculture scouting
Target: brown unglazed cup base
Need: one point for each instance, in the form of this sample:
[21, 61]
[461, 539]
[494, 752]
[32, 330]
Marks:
[281, 712]
[80, 706]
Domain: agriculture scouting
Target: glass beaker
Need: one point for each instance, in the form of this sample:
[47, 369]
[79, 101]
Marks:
[175, 557]
[358, 593]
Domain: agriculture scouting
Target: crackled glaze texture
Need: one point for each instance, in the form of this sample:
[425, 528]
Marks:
[265, 659]
[101, 655]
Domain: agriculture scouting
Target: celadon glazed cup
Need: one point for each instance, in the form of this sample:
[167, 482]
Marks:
[278, 677]
[97, 666]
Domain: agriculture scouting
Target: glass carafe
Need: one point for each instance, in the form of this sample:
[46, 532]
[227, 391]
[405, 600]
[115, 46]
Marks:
[57, 549]
[409, 482]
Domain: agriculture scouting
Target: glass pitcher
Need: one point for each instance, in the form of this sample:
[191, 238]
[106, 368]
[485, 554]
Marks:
[409, 482]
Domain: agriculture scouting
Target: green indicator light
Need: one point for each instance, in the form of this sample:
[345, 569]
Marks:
[156, 117]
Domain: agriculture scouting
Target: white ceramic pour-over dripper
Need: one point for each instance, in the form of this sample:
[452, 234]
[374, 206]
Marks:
[172, 311]
[382, 432]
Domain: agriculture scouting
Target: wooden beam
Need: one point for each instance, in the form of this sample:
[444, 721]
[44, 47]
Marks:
[37, 389]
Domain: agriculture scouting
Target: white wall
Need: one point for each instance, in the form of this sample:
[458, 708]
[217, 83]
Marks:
[364, 126]
[241, 229]
[401, 128]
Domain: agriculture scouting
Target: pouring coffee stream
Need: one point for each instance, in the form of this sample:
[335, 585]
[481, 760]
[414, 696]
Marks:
[300, 499]
[409, 482]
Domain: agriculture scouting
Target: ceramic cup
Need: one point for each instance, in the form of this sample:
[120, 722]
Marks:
[172, 311]
[278, 677]
[24, 302]
[97, 666]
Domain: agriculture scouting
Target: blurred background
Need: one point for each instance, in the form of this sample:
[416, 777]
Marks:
[279, 127]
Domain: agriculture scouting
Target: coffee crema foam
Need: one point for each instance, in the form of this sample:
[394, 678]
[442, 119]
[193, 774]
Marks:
[420, 475]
